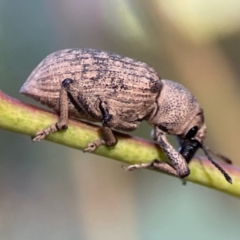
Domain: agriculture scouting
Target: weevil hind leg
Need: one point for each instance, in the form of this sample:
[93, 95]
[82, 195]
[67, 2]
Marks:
[61, 124]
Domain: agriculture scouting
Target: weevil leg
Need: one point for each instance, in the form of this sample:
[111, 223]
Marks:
[177, 166]
[62, 121]
[108, 139]
[155, 164]
[108, 122]
[97, 109]
[177, 162]
[108, 136]
[94, 108]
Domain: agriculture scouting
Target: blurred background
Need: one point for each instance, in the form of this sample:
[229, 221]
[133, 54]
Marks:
[48, 191]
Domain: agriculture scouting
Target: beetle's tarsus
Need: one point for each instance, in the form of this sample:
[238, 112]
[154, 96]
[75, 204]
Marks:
[137, 166]
[39, 136]
[92, 146]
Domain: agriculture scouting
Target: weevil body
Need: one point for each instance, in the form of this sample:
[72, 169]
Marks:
[119, 92]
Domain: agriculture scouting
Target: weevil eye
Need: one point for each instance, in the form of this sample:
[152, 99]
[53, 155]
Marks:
[192, 132]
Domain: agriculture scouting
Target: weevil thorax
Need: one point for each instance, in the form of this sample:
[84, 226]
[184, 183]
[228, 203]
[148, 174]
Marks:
[178, 111]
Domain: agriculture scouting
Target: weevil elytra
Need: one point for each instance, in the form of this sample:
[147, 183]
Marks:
[120, 92]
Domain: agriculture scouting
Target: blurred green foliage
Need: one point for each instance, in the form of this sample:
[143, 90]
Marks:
[52, 192]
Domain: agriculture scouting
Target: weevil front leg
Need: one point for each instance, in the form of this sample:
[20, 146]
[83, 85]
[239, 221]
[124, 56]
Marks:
[177, 166]
[61, 124]
[177, 162]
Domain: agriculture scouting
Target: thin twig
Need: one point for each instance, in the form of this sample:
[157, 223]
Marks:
[26, 119]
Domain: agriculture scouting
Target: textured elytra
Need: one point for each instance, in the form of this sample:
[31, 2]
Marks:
[119, 92]
[128, 83]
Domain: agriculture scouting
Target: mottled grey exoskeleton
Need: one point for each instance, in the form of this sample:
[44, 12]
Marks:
[119, 92]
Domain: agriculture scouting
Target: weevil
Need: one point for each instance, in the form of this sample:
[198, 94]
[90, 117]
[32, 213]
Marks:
[120, 92]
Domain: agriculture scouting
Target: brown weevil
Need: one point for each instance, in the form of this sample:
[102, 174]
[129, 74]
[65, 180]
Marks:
[120, 92]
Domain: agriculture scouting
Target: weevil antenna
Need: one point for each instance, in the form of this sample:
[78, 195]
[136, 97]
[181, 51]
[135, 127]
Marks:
[222, 157]
[227, 177]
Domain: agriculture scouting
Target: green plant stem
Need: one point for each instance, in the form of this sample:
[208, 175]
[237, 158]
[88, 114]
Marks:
[26, 119]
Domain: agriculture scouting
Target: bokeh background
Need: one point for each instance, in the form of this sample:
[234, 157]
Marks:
[48, 191]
